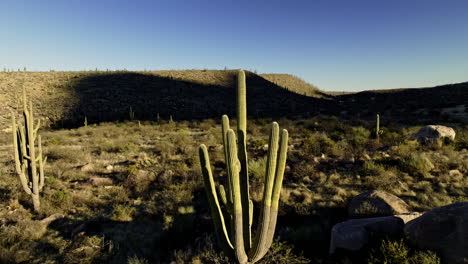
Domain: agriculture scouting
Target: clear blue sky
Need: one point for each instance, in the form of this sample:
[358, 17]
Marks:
[337, 45]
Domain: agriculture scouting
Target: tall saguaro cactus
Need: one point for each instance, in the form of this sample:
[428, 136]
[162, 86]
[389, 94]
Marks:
[234, 216]
[29, 164]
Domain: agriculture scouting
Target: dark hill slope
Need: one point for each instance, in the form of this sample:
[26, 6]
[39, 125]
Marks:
[446, 103]
[65, 98]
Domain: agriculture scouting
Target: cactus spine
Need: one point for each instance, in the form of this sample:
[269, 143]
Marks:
[237, 208]
[26, 160]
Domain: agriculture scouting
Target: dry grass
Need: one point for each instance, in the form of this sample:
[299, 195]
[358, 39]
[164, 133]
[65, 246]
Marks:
[155, 210]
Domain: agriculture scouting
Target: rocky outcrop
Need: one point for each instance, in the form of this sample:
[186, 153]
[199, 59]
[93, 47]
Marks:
[377, 203]
[443, 230]
[433, 133]
[355, 234]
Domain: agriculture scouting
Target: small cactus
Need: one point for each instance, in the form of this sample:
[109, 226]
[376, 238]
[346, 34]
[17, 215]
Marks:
[131, 114]
[234, 217]
[377, 131]
[29, 164]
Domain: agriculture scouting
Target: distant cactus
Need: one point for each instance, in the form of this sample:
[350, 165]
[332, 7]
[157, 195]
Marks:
[233, 219]
[27, 160]
[131, 114]
[377, 131]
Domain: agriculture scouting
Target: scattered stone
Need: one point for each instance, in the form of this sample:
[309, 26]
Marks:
[100, 181]
[454, 173]
[109, 167]
[377, 203]
[139, 177]
[443, 230]
[48, 220]
[354, 234]
[165, 176]
[86, 167]
[433, 133]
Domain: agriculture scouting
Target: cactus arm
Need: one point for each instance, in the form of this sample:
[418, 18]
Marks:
[237, 215]
[242, 155]
[41, 164]
[222, 195]
[281, 164]
[32, 151]
[224, 129]
[18, 164]
[37, 127]
[218, 218]
[260, 242]
[22, 140]
[377, 126]
[241, 102]
[251, 210]
[226, 202]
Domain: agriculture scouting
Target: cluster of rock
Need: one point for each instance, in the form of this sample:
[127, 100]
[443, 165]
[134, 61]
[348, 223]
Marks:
[443, 230]
[433, 133]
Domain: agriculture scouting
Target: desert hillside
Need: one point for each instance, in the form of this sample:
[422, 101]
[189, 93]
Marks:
[66, 98]
[293, 83]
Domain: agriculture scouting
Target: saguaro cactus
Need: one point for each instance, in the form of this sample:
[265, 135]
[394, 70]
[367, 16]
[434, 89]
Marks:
[29, 165]
[377, 131]
[233, 218]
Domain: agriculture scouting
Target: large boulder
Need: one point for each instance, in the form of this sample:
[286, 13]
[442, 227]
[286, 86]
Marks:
[443, 230]
[377, 203]
[353, 235]
[433, 133]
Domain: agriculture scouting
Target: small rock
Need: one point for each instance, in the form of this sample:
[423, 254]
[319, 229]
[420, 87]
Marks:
[377, 203]
[46, 221]
[100, 181]
[139, 177]
[86, 167]
[265, 147]
[454, 173]
[109, 167]
[165, 176]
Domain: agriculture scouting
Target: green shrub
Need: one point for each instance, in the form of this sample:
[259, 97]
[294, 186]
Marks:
[257, 168]
[319, 143]
[280, 253]
[397, 252]
[371, 168]
[416, 164]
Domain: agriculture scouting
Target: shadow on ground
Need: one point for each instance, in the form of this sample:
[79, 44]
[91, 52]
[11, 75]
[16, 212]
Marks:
[111, 97]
